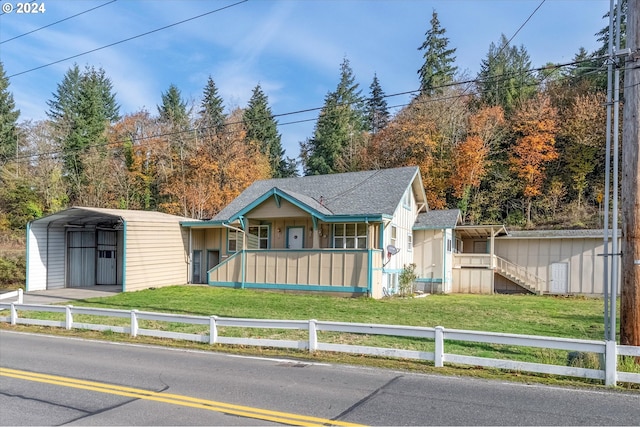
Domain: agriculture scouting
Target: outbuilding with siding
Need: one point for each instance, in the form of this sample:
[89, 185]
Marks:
[82, 247]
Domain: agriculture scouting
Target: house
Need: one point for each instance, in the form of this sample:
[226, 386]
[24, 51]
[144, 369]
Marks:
[81, 247]
[345, 234]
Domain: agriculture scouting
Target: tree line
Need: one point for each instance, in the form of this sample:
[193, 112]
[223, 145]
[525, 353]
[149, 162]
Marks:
[513, 145]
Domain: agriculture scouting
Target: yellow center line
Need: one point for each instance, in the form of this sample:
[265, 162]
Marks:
[176, 399]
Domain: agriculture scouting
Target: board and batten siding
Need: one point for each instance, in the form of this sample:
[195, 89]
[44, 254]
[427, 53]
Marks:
[46, 259]
[157, 255]
[581, 255]
[427, 246]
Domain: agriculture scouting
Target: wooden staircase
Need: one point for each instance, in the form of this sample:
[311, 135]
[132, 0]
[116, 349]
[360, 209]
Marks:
[519, 275]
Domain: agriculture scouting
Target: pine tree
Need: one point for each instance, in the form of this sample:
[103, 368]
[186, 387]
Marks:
[8, 119]
[377, 112]
[262, 129]
[341, 119]
[211, 112]
[438, 69]
[81, 110]
[173, 109]
[504, 77]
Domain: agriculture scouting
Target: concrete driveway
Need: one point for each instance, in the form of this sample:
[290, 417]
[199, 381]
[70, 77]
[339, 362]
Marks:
[55, 296]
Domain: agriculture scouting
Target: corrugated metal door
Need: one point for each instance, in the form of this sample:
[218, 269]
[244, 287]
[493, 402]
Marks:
[106, 270]
[81, 258]
[559, 278]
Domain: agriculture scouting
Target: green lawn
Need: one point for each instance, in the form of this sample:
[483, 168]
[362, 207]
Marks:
[519, 314]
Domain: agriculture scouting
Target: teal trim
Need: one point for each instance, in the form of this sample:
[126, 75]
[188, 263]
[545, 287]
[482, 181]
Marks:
[370, 272]
[201, 224]
[242, 222]
[275, 192]
[287, 287]
[392, 270]
[124, 256]
[26, 286]
[430, 280]
[277, 200]
[444, 254]
[314, 220]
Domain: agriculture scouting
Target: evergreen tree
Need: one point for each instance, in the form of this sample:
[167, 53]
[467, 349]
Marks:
[262, 129]
[341, 119]
[8, 119]
[211, 112]
[173, 109]
[438, 69]
[377, 112]
[505, 78]
[81, 110]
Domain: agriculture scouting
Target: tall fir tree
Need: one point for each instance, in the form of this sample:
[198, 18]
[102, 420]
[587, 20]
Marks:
[505, 76]
[377, 111]
[341, 119]
[81, 110]
[173, 109]
[211, 114]
[262, 129]
[8, 119]
[438, 69]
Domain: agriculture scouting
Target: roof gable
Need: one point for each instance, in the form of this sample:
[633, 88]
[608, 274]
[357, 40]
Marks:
[367, 193]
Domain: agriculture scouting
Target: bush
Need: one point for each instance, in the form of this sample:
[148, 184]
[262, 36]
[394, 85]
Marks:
[407, 279]
[13, 272]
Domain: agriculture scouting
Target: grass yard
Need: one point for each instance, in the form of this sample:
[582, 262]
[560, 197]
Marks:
[571, 317]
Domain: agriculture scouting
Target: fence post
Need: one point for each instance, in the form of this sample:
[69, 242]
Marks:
[14, 314]
[438, 355]
[213, 330]
[68, 318]
[20, 296]
[134, 323]
[313, 336]
[610, 364]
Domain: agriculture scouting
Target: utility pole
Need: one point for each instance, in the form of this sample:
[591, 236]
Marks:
[630, 293]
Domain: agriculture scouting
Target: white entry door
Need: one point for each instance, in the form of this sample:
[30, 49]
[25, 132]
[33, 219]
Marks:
[295, 236]
[559, 278]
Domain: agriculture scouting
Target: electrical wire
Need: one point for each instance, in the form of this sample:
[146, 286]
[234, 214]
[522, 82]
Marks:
[127, 39]
[192, 130]
[57, 22]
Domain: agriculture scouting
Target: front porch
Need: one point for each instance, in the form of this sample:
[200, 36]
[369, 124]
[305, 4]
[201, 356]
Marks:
[352, 271]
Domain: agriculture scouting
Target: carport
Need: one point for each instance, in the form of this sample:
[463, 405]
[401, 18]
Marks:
[82, 247]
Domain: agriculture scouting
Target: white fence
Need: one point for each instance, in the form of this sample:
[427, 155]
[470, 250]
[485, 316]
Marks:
[18, 295]
[607, 350]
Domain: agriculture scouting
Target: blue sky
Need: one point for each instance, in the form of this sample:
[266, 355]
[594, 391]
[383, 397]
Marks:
[293, 49]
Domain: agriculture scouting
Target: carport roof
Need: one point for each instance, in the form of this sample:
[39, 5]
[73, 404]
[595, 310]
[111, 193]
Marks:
[81, 216]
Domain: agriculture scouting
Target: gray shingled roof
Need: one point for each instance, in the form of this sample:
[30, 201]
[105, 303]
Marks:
[437, 220]
[377, 192]
[536, 234]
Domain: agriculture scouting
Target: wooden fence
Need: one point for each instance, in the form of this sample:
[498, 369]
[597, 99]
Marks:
[608, 351]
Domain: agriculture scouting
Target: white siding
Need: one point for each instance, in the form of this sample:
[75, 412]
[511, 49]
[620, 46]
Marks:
[46, 259]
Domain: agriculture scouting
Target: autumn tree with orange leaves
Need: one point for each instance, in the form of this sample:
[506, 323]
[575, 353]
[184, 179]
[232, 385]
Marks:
[471, 157]
[535, 125]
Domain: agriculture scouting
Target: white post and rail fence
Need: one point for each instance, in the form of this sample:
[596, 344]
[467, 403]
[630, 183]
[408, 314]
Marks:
[607, 351]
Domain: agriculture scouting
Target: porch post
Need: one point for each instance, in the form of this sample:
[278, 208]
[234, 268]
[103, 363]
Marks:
[492, 262]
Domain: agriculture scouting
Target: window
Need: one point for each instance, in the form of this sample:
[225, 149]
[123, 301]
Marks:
[350, 236]
[409, 241]
[234, 243]
[448, 245]
[407, 199]
[262, 234]
[394, 236]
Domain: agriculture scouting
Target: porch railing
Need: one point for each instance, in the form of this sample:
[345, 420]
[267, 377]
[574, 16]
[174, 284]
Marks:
[320, 267]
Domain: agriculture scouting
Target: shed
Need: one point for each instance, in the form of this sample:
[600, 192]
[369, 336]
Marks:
[83, 246]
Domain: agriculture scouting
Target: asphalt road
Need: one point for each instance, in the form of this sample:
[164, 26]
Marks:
[47, 380]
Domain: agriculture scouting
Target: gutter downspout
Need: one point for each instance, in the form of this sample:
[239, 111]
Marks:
[243, 254]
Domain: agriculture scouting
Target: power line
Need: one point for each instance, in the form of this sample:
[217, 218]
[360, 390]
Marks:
[191, 130]
[128, 39]
[57, 22]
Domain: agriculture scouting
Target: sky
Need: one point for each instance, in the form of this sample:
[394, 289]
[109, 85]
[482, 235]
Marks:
[292, 48]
